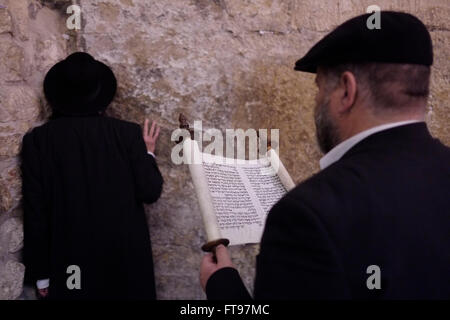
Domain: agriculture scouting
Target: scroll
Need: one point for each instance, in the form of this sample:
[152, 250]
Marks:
[235, 197]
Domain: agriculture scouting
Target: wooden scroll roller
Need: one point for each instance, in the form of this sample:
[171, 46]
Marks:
[213, 235]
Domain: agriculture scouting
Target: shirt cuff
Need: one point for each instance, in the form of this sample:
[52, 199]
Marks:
[151, 153]
[42, 284]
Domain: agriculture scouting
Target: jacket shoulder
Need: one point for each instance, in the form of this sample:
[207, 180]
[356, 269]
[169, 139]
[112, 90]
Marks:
[332, 197]
[333, 182]
[35, 132]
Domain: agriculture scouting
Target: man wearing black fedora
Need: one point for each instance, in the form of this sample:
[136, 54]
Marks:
[374, 222]
[85, 179]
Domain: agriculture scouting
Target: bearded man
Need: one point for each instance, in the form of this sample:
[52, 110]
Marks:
[373, 223]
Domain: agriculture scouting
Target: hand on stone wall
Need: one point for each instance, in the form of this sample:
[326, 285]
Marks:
[150, 137]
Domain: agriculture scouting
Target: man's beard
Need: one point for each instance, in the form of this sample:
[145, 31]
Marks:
[327, 133]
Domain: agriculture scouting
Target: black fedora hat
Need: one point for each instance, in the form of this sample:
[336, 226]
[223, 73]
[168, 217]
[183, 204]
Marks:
[79, 85]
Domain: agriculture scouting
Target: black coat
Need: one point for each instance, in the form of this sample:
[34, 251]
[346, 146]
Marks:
[386, 202]
[85, 180]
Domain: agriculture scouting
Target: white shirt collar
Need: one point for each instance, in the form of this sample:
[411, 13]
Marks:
[337, 152]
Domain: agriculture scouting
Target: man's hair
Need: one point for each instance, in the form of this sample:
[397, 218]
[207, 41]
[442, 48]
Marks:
[389, 85]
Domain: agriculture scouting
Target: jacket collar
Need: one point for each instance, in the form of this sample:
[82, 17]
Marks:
[341, 149]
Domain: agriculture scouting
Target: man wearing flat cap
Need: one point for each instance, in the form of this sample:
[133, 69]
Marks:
[85, 179]
[374, 222]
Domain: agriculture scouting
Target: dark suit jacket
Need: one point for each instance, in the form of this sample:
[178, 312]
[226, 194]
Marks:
[385, 203]
[85, 180]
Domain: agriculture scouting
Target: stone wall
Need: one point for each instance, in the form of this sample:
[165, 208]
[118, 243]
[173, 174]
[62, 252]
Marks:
[226, 62]
[31, 41]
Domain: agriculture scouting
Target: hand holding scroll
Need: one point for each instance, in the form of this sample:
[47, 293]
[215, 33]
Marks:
[42, 293]
[211, 263]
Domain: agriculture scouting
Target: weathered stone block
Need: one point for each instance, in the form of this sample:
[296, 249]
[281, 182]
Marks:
[11, 235]
[20, 16]
[109, 12]
[10, 145]
[12, 58]
[18, 103]
[6, 199]
[11, 280]
[5, 21]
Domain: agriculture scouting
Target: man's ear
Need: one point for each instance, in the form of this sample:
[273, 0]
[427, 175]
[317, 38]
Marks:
[347, 84]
